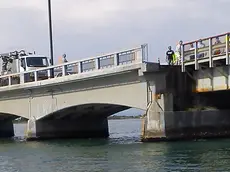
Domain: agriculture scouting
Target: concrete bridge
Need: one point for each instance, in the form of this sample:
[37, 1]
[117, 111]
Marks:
[78, 105]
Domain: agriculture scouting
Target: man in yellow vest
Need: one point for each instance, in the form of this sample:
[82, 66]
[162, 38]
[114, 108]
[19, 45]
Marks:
[178, 53]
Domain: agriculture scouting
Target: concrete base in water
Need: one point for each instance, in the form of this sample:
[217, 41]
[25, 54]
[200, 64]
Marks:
[70, 128]
[189, 125]
[6, 129]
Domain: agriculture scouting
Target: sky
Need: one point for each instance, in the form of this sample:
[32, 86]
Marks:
[87, 28]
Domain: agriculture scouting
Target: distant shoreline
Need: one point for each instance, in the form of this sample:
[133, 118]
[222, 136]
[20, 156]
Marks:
[113, 117]
[124, 117]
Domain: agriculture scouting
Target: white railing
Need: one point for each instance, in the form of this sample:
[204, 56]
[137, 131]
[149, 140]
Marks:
[135, 55]
[193, 53]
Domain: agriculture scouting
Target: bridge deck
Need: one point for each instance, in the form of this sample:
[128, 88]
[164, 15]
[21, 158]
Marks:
[109, 64]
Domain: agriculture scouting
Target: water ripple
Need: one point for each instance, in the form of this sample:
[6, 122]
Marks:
[121, 152]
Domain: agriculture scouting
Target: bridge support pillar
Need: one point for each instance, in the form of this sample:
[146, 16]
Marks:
[161, 123]
[70, 128]
[153, 127]
[6, 129]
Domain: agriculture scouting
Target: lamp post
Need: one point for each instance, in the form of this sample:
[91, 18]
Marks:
[51, 37]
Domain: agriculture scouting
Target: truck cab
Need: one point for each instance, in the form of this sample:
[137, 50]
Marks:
[20, 62]
[33, 62]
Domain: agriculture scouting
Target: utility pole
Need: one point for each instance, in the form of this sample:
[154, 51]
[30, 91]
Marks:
[51, 36]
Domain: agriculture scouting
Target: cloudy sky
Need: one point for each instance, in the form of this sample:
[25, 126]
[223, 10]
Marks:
[85, 28]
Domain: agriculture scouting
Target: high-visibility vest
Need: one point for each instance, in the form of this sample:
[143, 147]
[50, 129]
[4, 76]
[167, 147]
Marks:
[174, 58]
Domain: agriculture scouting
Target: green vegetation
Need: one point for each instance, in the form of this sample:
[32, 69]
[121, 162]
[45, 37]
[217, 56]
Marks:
[200, 108]
[20, 120]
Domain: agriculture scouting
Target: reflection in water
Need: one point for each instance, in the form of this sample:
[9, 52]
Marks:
[121, 152]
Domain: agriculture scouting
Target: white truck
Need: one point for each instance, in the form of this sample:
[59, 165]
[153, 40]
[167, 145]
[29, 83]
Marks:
[19, 62]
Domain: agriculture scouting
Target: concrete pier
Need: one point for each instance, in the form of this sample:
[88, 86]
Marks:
[187, 125]
[172, 116]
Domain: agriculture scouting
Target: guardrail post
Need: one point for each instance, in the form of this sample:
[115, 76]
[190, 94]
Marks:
[182, 59]
[79, 67]
[36, 76]
[64, 70]
[196, 54]
[49, 73]
[210, 53]
[22, 78]
[144, 51]
[97, 63]
[116, 59]
[227, 49]
[10, 80]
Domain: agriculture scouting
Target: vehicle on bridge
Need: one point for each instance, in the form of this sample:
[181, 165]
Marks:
[19, 62]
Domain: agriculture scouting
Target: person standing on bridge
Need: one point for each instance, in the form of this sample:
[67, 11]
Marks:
[170, 56]
[64, 58]
[178, 52]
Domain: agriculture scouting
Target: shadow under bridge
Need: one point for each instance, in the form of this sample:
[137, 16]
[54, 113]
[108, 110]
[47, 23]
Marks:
[6, 125]
[95, 110]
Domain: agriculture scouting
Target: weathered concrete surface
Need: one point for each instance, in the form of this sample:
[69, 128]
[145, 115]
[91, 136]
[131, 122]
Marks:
[154, 120]
[168, 97]
[199, 124]
[192, 125]
[212, 79]
[116, 90]
[47, 104]
[167, 118]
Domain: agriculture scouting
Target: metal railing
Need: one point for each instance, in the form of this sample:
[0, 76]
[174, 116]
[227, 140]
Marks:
[205, 50]
[131, 56]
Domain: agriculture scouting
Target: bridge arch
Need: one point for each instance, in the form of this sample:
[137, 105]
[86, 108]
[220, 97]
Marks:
[79, 121]
[6, 125]
[131, 95]
[8, 116]
[86, 110]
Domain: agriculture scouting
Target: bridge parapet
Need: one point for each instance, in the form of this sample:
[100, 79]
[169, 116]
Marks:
[122, 58]
[206, 52]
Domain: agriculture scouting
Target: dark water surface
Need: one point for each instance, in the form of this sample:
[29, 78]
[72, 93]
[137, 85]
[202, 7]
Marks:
[121, 152]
